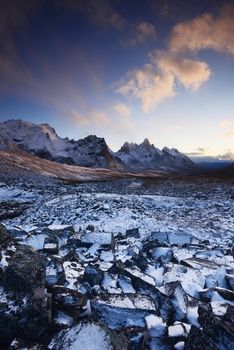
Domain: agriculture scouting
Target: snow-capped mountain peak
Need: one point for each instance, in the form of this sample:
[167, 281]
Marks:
[92, 151]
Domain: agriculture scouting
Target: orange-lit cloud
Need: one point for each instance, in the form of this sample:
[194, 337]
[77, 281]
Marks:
[205, 32]
[226, 123]
[230, 133]
[190, 73]
[155, 82]
[98, 118]
[122, 109]
[147, 85]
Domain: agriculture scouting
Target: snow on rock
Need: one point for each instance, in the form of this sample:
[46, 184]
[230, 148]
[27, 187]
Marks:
[82, 337]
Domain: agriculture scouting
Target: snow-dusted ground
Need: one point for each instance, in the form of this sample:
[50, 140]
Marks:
[137, 284]
[206, 219]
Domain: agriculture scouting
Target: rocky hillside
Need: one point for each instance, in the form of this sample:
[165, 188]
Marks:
[92, 151]
[147, 156]
[43, 141]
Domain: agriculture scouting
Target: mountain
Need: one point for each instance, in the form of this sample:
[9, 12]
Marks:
[147, 156]
[42, 140]
[92, 151]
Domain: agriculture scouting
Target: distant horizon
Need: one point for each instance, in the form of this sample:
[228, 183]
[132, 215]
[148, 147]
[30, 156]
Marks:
[195, 157]
[123, 70]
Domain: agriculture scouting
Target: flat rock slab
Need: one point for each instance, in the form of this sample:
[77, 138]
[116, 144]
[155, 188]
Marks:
[179, 238]
[161, 237]
[118, 311]
[104, 239]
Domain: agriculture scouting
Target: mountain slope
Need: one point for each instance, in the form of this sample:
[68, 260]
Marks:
[43, 141]
[92, 151]
[147, 156]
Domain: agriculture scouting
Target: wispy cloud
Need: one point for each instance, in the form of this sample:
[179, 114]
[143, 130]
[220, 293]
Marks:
[230, 133]
[226, 156]
[226, 123]
[122, 109]
[139, 33]
[93, 118]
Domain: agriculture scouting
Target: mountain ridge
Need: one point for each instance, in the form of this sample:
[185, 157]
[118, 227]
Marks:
[91, 151]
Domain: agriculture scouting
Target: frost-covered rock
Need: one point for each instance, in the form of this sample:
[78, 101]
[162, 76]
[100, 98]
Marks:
[86, 336]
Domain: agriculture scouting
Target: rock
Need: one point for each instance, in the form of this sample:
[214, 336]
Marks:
[160, 237]
[225, 293]
[26, 270]
[155, 325]
[8, 329]
[219, 331]
[90, 228]
[30, 316]
[145, 284]
[210, 281]
[163, 255]
[118, 311]
[93, 275]
[207, 294]
[54, 273]
[104, 239]
[68, 300]
[179, 239]
[133, 232]
[20, 344]
[229, 315]
[51, 245]
[178, 298]
[230, 279]
[179, 329]
[197, 340]
[37, 320]
[84, 336]
[4, 236]
[125, 284]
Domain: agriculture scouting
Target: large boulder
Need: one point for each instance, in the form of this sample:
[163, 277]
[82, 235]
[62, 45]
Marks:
[25, 271]
[25, 285]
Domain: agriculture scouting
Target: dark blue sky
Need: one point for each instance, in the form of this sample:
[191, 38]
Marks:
[122, 69]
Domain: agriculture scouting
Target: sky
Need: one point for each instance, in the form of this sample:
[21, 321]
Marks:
[125, 70]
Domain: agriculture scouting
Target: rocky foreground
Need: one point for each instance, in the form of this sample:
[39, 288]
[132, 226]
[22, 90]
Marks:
[141, 267]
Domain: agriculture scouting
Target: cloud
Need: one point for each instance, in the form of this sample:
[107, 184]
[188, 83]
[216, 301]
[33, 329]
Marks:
[155, 81]
[200, 151]
[226, 123]
[93, 118]
[230, 133]
[122, 109]
[147, 85]
[140, 33]
[205, 32]
[191, 73]
[118, 122]
[226, 156]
